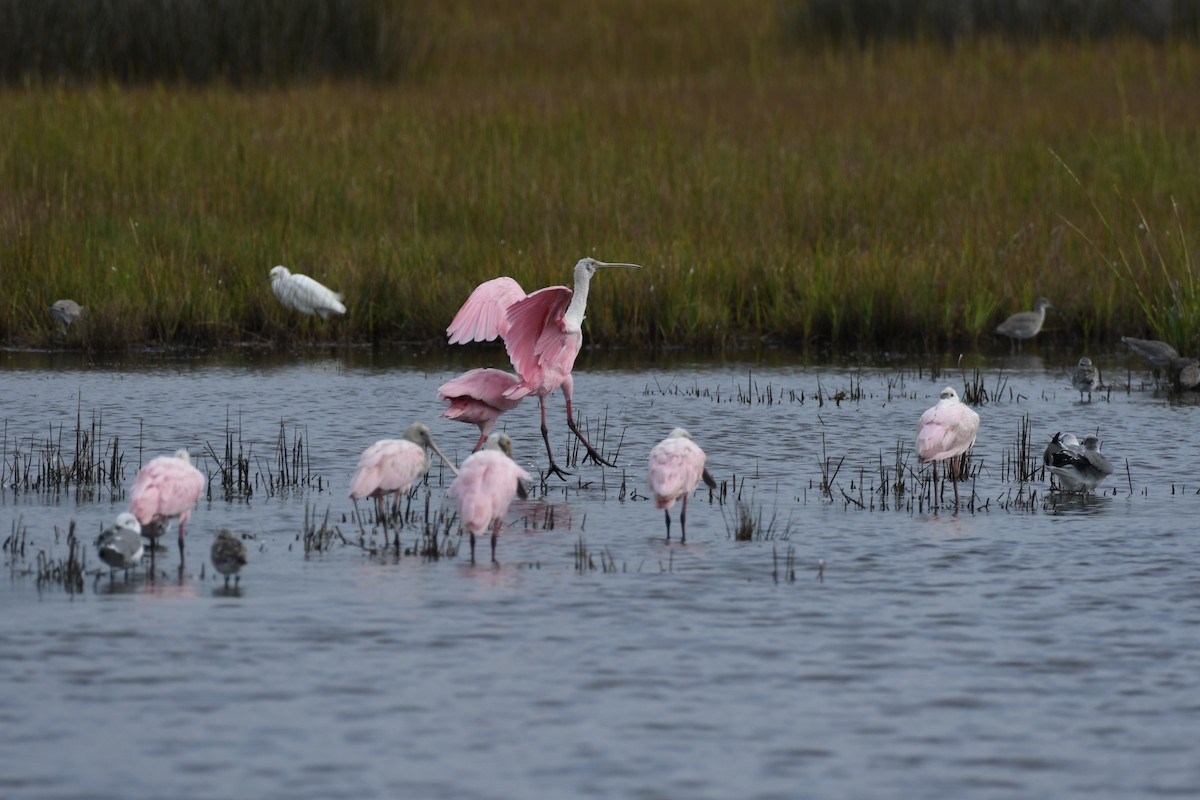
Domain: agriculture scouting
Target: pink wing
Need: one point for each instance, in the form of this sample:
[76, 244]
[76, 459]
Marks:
[483, 385]
[676, 466]
[165, 488]
[946, 431]
[483, 317]
[389, 465]
[541, 351]
[484, 488]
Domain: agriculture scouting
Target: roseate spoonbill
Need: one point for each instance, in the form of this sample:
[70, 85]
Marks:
[542, 333]
[393, 465]
[121, 545]
[301, 293]
[946, 431]
[228, 555]
[676, 468]
[1082, 469]
[67, 312]
[1085, 378]
[167, 488]
[485, 487]
[1025, 324]
[477, 396]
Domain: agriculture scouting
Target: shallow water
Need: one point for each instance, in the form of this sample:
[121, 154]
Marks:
[1029, 645]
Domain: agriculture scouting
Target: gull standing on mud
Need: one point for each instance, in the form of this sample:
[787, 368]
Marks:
[1025, 324]
[302, 293]
[165, 489]
[676, 469]
[228, 555]
[1085, 378]
[1081, 470]
[121, 545]
[393, 465]
[946, 431]
[542, 333]
[477, 396]
[485, 487]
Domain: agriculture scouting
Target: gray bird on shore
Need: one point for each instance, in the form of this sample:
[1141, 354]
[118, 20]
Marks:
[1160, 354]
[1085, 378]
[1025, 324]
[228, 555]
[120, 546]
[67, 312]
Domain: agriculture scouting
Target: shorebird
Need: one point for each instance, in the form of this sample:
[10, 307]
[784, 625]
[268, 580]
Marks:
[67, 312]
[1025, 324]
[228, 555]
[120, 546]
[1085, 378]
[1080, 470]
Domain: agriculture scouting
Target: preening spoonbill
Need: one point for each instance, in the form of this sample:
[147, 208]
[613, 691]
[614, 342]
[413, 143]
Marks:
[542, 333]
[946, 431]
[676, 468]
[1025, 324]
[121, 545]
[485, 487]
[301, 293]
[228, 555]
[167, 488]
[67, 312]
[1080, 470]
[477, 396]
[1085, 378]
[393, 465]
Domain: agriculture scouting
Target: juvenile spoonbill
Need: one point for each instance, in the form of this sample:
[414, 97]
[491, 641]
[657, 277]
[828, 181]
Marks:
[477, 396]
[1025, 324]
[676, 468]
[946, 431]
[542, 333]
[393, 465]
[67, 312]
[120, 546]
[1080, 470]
[301, 293]
[485, 487]
[165, 489]
[228, 555]
[1085, 378]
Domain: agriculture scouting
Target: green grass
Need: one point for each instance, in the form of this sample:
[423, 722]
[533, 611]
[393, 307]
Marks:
[901, 196]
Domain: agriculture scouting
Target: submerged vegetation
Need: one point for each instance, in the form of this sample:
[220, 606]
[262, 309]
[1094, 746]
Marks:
[901, 193]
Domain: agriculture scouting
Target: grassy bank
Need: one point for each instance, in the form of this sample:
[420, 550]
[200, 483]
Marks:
[901, 195]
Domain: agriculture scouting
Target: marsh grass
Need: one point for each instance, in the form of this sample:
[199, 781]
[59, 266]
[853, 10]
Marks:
[86, 460]
[898, 196]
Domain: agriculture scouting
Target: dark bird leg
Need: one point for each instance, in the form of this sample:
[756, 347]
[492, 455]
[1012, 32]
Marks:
[495, 534]
[554, 468]
[667, 517]
[472, 548]
[181, 544]
[591, 451]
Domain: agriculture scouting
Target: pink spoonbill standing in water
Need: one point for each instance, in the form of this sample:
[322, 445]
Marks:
[485, 486]
[391, 466]
[542, 333]
[166, 489]
[676, 468]
[946, 431]
[477, 396]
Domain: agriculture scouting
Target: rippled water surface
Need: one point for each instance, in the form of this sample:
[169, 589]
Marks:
[863, 643]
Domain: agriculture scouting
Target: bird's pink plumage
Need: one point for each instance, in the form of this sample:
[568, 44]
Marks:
[541, 350]
[389, 465]
[946, 430]
[484, 316]
[166, 488]
[484, 488]
[676, 466]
